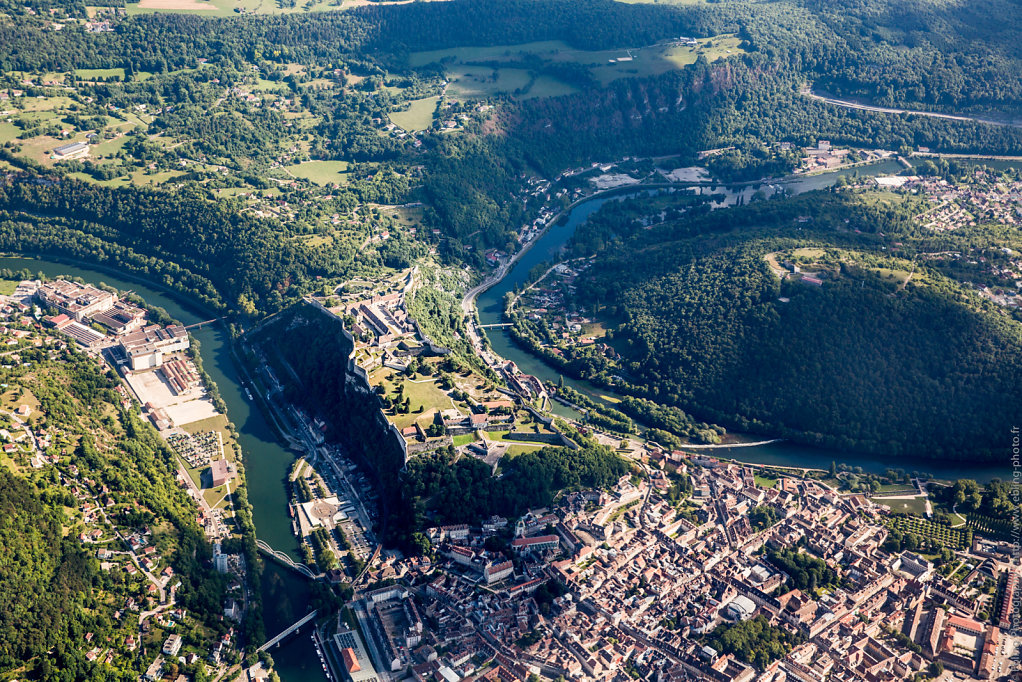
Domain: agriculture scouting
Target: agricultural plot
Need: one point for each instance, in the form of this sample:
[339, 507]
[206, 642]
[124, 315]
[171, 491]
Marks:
[952, 538]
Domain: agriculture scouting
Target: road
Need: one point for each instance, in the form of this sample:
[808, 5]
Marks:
[848, 104]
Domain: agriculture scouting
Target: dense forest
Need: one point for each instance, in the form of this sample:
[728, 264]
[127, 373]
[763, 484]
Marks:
[463, 490]
[56, 592]
[472, 183]
[46, 578]
[857, 362]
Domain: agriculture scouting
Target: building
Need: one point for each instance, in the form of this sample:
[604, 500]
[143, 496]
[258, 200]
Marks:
[172, 645]
[357, 666]
[122, 318]
[539, 543]
[75, 150]
[350, 660]
[495, 572]
[740, 608]
[77, 301]
[86, 336]
[155, 670]
[146, 348]
[221, 472]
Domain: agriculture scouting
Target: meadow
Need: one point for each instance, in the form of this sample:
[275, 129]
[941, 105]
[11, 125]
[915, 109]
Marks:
[418, 116]
[471, 74]
[321, 172]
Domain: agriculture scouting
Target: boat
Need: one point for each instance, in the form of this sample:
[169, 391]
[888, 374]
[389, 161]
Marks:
[248, 393]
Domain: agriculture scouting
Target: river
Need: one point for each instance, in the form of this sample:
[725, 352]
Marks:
[490, 304]
[267, 462]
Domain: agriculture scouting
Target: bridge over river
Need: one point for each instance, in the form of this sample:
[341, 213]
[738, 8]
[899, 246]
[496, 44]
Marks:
[295, 627]
[286, 560]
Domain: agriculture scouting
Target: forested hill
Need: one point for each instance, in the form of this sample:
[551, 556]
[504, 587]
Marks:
[860, 362]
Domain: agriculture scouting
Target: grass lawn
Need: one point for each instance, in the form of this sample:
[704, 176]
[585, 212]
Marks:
[894, 487]
[8, 131]
[479, 54]
[404, 215]
[464, 439]
[765, 481]
[423, 394]
[519, 448]
[321, 172]
[418, 116]
[7, 286]
[915, 506]
[109, 147]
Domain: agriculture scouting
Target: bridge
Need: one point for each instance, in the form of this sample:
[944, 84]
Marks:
[284, 559]
[200, 325]
[496, 325]
[368, 565]
[294, 628]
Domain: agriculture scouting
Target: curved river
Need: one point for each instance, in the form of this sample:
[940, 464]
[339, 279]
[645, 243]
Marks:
[490, 304]
[267, 462]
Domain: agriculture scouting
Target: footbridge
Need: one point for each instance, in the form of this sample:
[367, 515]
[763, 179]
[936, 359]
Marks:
[283, 635]
[285, 560]
[497, 325]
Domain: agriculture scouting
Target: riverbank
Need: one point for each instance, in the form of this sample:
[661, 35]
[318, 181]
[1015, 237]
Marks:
[266, 461]
[485, 306]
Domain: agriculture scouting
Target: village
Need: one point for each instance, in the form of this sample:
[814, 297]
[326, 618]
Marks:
[156, 373]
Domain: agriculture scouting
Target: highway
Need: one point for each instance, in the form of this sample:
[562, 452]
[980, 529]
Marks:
[806, 91]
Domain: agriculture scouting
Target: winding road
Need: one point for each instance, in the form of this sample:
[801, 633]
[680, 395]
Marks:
[806, 91]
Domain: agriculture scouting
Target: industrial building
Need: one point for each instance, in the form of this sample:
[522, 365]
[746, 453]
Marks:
[146, 348]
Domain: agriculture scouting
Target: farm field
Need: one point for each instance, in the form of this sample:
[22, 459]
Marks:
[321, 172]
[418, 116]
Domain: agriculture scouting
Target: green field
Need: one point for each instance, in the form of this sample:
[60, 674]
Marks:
[89, 74]
[470, 54]
[226, 8]
[462, 439]
[8, 131]
[915, 506]
[469, 79]
[418, 116]
[7, 286]
[321, 172]
[424, 396]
